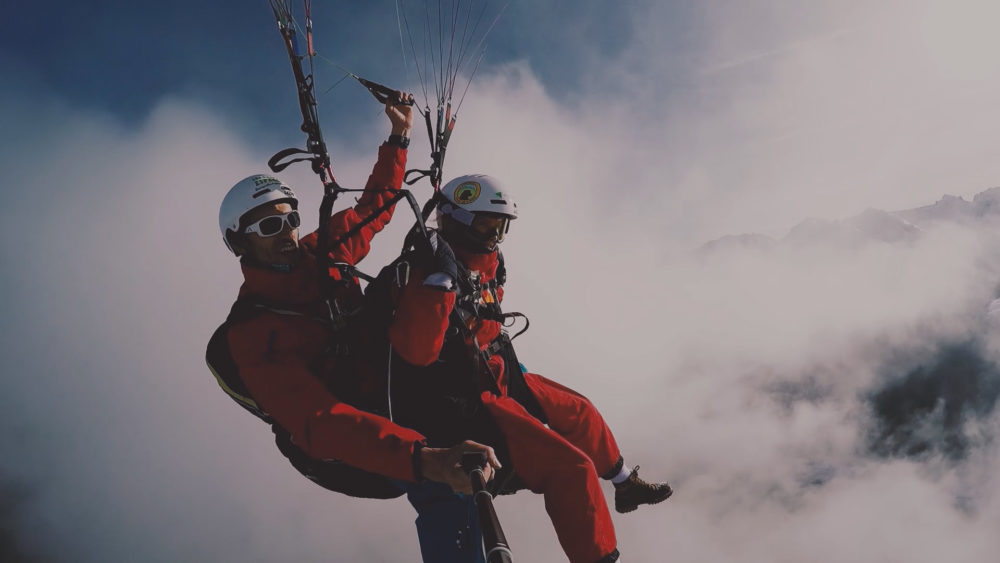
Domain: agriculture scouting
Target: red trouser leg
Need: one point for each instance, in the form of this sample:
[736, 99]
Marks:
[575, 418]
[564, 475]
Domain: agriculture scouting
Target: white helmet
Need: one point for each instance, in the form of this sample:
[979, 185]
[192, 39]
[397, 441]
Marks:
[475, 193]
[467, 197]
[249, 193]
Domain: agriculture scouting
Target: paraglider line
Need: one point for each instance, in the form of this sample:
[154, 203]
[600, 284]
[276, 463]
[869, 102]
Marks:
[416, 63]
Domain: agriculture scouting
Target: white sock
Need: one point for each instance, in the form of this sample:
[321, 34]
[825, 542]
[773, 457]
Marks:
[622, 475]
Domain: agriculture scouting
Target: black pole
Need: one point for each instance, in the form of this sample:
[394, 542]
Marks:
[494, 542]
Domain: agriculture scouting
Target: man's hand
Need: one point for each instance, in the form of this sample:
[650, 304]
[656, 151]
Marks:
[444, 465]
[400, 113]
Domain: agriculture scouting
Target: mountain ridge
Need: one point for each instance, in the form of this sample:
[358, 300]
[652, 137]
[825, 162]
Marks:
[871, 225]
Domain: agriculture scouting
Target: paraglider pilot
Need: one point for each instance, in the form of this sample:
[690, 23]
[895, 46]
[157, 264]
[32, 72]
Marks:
[284, 352]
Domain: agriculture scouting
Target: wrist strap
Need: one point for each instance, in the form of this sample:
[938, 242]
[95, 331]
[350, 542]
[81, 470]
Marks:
[400, 141]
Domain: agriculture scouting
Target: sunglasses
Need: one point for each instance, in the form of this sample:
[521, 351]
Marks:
[274, 224]
[491, 225]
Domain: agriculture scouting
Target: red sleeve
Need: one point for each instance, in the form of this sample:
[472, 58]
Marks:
[384, 182]
[417, 332]
[320, 424]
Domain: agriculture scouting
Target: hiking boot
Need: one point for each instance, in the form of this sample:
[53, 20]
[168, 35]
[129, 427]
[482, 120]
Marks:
[632, 492]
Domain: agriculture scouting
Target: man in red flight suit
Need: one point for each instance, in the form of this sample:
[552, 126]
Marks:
[435, 391]
[281, 355]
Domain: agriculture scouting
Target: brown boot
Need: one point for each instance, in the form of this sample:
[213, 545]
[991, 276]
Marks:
[632, 492]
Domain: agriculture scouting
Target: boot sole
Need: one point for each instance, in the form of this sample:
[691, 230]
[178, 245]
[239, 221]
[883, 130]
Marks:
[633, 507]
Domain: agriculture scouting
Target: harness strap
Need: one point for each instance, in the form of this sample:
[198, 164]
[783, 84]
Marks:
[517, 386]
[364, 222]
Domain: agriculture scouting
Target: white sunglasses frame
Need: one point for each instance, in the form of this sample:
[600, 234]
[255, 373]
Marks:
[255, 226]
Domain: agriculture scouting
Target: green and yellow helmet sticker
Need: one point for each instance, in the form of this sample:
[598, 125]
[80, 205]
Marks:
[467, 192]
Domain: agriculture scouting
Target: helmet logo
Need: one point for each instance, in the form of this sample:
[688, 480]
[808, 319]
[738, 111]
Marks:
[467, 192]
[261, 181]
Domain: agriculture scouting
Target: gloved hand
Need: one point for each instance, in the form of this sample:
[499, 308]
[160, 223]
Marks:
[444, 265]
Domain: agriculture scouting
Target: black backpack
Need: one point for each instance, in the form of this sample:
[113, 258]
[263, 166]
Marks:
[334, 475]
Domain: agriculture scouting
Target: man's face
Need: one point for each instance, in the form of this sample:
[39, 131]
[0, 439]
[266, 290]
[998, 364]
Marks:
[490, 229]
[282, 248]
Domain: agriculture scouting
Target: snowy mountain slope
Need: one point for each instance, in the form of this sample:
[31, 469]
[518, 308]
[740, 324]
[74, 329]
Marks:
[872, 225]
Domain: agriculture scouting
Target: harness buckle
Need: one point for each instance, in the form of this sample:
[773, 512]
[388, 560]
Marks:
[495, 347]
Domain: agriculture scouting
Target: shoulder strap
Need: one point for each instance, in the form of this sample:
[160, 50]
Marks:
[349, 271]
[380, 294]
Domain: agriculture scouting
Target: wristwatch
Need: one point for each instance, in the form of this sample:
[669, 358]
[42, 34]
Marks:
[400, 141]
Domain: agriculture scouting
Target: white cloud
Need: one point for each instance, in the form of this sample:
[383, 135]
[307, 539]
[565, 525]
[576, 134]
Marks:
[740, 376]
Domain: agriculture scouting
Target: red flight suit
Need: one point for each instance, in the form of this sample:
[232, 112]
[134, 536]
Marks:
[281, 355]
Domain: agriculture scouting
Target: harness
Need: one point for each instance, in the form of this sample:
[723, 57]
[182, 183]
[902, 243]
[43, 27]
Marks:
[462, 370]
[442, 401]
[333, 474]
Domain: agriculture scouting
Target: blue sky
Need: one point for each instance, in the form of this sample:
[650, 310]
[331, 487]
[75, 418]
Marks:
[123, 57]
[631, 133]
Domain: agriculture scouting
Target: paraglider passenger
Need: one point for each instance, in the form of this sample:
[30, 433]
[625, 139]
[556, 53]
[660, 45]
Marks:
[454, 376]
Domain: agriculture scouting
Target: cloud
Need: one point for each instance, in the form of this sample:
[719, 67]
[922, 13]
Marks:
[765, 384]
[777, 113]
[114, 420]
